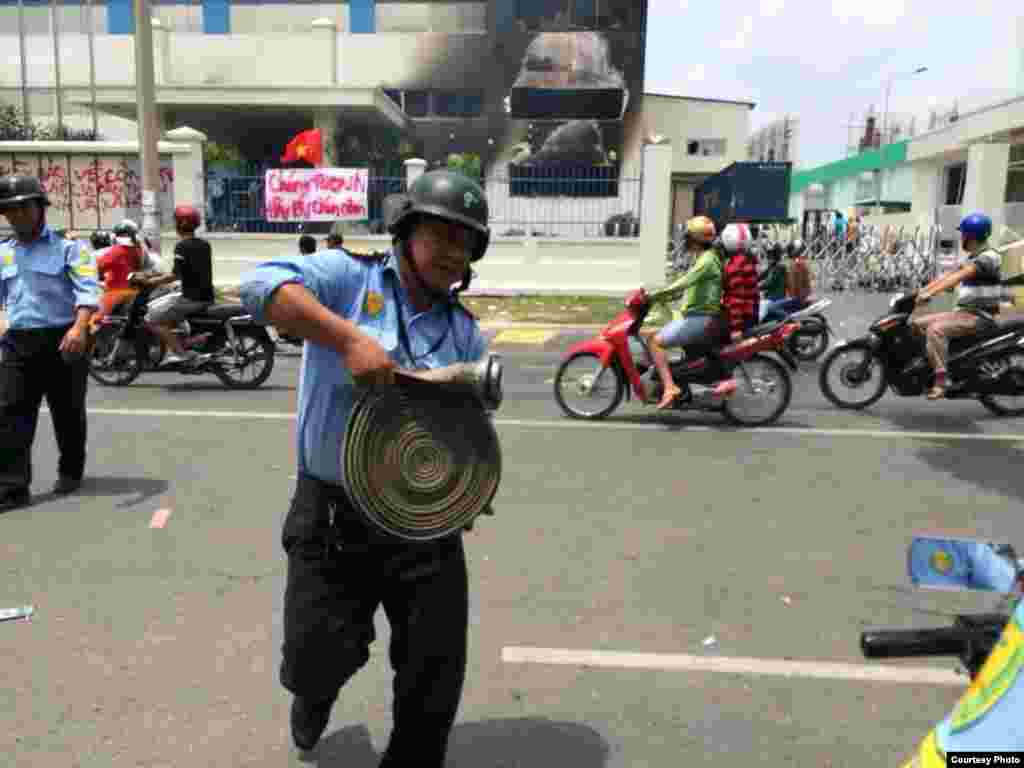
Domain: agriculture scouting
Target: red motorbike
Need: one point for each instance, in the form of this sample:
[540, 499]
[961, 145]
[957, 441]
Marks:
[738, 379]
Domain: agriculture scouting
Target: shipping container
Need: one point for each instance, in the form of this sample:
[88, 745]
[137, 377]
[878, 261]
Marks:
[752, 192]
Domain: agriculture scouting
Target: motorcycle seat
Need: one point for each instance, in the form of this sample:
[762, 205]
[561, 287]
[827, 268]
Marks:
[222, 311]
[765, 328]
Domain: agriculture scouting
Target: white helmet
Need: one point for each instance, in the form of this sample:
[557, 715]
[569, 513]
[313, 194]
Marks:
[736, 237]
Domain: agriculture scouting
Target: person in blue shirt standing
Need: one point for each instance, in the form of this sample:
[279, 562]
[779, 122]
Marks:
[49, 287]
[362, 317]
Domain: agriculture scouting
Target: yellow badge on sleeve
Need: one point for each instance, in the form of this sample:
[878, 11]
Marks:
[7, 256]
[374, 303]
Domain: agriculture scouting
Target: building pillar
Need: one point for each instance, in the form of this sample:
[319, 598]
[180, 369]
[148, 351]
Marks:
[414, 168]
[985, 190]
[327, 121]
[655, 211]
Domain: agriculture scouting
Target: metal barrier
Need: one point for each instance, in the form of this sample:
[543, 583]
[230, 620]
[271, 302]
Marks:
[236, 204]
[591, 204]
[878, 259]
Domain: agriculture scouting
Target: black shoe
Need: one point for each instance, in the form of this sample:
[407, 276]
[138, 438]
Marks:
[309, 719]
[67, 484]
[13, 498]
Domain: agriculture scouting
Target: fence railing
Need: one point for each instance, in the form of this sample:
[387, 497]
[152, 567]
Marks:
[594, 205]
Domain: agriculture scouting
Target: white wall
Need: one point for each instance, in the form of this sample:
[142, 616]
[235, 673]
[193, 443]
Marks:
[398, 60]
[683, 120]
[431, 17]
[283, 19]
[251, 60]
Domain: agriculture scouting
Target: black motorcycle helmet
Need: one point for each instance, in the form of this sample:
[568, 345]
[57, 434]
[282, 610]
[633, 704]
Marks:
[796, 248]
[444, 195]
[99, 240]
[16, 190]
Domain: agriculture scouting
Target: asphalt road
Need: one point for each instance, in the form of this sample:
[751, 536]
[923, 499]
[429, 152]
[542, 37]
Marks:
[647, 533]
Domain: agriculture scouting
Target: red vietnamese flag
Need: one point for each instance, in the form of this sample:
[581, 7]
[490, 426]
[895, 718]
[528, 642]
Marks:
[307, 146]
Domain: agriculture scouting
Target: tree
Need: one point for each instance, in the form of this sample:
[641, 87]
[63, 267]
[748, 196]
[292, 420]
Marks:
[467, 163]
[15, 127]
[226, 156]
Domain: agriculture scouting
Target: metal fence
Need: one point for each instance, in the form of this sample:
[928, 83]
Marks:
[237, 204]
[878, 259]
[592, 204]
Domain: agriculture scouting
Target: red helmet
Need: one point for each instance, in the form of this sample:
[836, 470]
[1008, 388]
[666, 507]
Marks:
[186, 218]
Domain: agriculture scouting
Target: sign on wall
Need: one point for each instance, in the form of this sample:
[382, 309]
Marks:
[316, 194]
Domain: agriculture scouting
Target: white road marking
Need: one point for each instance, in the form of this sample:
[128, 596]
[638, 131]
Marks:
[885, 434]
[735, 665]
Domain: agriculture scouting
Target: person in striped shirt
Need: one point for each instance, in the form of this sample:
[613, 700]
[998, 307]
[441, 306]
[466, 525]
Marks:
[740, 298]
[978, 284]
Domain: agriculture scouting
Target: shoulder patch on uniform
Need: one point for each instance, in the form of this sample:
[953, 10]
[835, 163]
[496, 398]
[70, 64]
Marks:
[374, 303]
[6, 255]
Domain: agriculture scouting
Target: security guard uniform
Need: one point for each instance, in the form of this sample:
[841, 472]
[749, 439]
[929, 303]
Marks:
[43, 284]
[341, 568]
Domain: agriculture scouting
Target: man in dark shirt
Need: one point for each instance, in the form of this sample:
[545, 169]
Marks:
[193, 266]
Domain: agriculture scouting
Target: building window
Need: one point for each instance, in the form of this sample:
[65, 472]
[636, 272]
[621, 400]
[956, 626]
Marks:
[458, 103]
[706, 147]
[956, 179]
[1015, 175]
[569, 15]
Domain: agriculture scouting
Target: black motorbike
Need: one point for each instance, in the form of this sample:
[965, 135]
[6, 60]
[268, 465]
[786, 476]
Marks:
[230, 344]
[988, 366]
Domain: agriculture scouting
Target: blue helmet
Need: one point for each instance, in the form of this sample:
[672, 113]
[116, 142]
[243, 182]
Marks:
[977, 226]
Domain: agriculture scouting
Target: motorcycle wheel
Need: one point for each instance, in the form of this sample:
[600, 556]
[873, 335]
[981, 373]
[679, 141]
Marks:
[1008, 405]
[767, 376]
[582, 370]
[116, 373]
[257, 353]
[876, 379]
[807, 346]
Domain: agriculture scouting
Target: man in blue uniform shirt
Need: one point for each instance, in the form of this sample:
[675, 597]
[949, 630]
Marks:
[362, 317]
[50, 289]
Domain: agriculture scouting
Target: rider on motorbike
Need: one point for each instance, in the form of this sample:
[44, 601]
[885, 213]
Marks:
[701, 288]
[114, 265]
[978, 288]
[773, 279]
[796, 284]
[740, 297]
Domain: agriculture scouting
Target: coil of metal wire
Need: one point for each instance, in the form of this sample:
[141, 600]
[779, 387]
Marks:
[421, 461]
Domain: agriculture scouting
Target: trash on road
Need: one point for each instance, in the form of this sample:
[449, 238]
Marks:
[710, 641]
[787, 599]
[12, 614]
[160, 517]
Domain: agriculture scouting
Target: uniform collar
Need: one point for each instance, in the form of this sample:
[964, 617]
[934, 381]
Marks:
[45, 236]
[391, 266]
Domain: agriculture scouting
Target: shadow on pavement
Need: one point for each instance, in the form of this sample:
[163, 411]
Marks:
[143, 488]
[984, 464]
[528, 742]
[209, 386]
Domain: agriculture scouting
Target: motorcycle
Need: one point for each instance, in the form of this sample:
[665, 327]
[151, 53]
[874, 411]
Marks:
[810, 340]
[229, 342]
[988, 366]
[618, 363]
[989, 715]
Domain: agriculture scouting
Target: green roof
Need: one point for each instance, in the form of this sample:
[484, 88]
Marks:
[889, 156]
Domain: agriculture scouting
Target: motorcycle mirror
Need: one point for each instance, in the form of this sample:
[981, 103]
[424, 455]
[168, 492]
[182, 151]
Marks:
[962, 564]
[895, 299]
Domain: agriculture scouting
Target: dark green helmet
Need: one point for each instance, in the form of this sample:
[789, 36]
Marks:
[444, 195]
[16, 189]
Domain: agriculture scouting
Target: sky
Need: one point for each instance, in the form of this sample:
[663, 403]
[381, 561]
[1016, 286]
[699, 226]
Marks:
[820, 60]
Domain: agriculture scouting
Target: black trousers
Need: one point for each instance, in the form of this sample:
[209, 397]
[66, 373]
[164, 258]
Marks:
[338, 574]
[31, 367]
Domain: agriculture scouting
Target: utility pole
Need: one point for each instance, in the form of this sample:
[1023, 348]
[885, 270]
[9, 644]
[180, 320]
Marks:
[147, 120]
[54, 8]
[92, 69]
[24, 59]
[888, 89]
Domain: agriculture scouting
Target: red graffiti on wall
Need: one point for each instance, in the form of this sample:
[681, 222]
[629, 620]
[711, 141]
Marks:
[92, 185]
